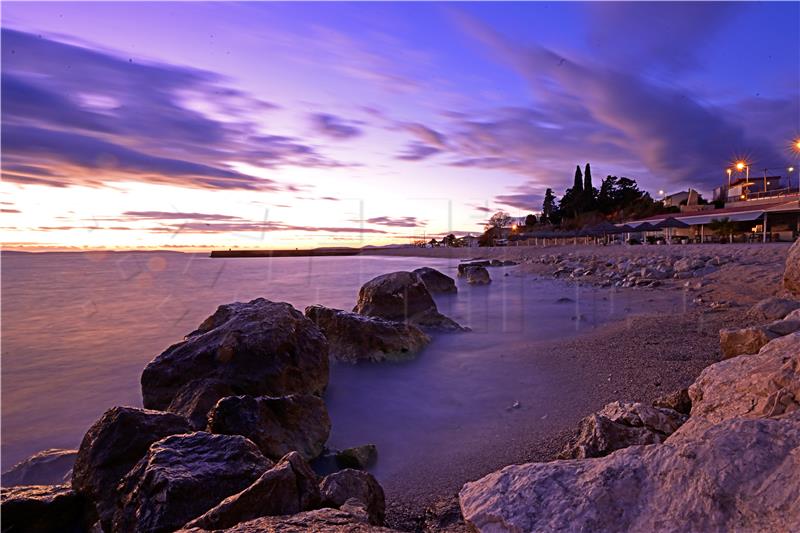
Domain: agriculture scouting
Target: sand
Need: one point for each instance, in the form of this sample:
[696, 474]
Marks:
[639, 359]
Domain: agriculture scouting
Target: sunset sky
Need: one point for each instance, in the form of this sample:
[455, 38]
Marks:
[288, 125]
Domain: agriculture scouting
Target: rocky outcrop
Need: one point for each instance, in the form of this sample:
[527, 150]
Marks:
[738, 475]
[337, 488]
[297, 422]
[195, 399]
[772, 309]
[112, 446]
[257, 348]
[321, 520]
[44, 509]
[677, 401]
[477, 275]
[182, 477]
[287, 488]
[765, 384]
[358, 457]
[354, 338]
[402, 296]
[791, 275]
[738, 341]
[49, 467]
[619, 425]
[435, 281]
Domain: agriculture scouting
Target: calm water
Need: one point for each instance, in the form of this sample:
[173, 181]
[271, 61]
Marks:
[77, 329]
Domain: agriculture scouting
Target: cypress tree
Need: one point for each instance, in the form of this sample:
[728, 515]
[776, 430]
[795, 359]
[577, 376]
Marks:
[577, 188]
[587, 181]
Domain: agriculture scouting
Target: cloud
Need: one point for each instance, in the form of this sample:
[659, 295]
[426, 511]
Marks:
[80, 109]
[4, 210]
[416, 151]
[426, 135]
[334, 127]
[525, 196]
[170, 215]
[401, 222]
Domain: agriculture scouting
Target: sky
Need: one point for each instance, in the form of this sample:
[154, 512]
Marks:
[197, 126]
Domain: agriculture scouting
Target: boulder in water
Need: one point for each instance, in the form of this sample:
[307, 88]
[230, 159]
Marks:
[435, 281]
[298, 422]
[354, 338]
[477, 276]
[49, 467]
[112, 446]
[44, 509]
[182, 477]
[195, 399]
[358, 457]
[256, 348]
[337, 488]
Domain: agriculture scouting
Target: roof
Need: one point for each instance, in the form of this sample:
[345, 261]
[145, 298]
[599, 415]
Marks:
[736, 214]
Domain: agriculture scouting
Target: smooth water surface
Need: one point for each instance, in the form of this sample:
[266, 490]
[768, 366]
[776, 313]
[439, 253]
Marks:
[77, 329]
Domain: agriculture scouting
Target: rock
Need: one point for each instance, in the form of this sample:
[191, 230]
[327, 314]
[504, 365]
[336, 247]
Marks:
[298, 422]
[44, 509]
[682, 265]
[289, 487]
[677, 401]
[735, 476]
[791, 275]
[358, 457]
[355, 337]
[735, 342]
[783, 327]
[112, 446]
[195, 399]
[402, 296]
[463, 267]
[477, 276]
[257, 348]
[49, 467]
[772, 309]
[339, 487]
[619, 425]
[435, 281]
[321, 520]
[182, 477]
[758, 385]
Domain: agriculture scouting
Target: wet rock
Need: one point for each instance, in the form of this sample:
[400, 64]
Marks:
[49, 467]
[402, 296]
[619, 425]
[44, 509]
[463, 267]
[257, 348]
[741, 341]
[358, 457]
[112, 446]
[341, 486]
[435, 281]
[195, 399]
[182, 477]
[757, 385]
[321, 520]
[297, 422]
[287, 488]
[355, 337]
[735, 476]
[772, 309]
[477, 276]
[677, 401]
[791, 275]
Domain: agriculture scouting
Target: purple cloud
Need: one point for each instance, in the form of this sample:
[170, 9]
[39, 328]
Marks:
[401, 222]
[416, 151]
[334, 127]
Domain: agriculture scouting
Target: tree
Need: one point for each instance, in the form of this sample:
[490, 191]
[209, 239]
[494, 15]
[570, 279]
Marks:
[530, 220]
[723, 227]
[548, 206]
[449, 240]
[588, 202]
[577, 187]
[493, 227]
[433, 242]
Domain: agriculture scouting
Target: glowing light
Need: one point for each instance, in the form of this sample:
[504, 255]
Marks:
[661, 193]
[797, 145]
[740, 166]
[729, 170]
[742, 197]
[791, 169]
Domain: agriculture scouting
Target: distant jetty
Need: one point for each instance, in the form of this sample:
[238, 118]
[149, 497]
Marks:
[316, 252]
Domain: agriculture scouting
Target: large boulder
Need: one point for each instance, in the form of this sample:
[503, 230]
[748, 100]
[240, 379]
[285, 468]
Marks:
[738, 341]
[677, 401]
[112, 446]
[358, 457]
[477, 275]
[182, 477]
[622, 424]
[49, 467]
[44, 509]
[402, 296]
[791, 276]
[771, 309]
[337, 488]
[353, 337]
[287, 488]
[256, 348]
[765, 384]
[321, 520]
[435, 281]
[298, 422]
[195, 399]
[739, 475]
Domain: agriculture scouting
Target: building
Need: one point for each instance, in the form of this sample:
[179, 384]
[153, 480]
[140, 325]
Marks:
[674, 200]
